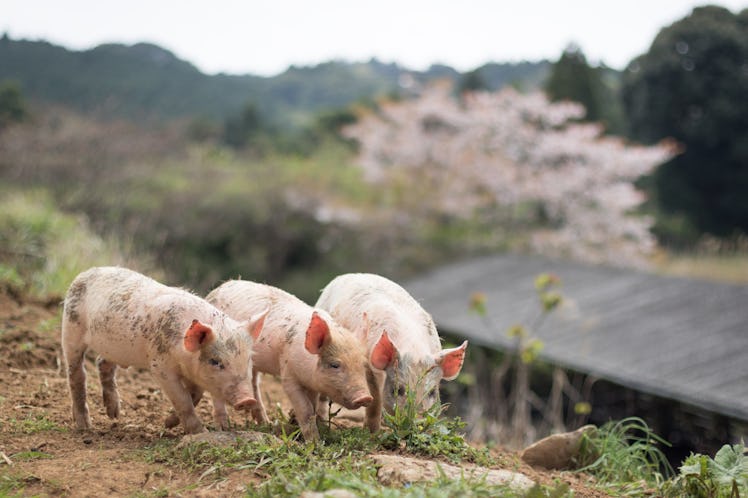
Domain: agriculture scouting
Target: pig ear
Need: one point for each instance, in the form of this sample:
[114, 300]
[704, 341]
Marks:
[317, 335]
[197, 336]
[450, 360]
[384, 353]
[256, 322]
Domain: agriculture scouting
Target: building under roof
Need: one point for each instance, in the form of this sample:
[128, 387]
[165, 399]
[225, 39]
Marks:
[676, 338]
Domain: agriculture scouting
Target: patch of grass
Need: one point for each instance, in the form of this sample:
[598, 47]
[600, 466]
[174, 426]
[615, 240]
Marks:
[624, 457]
[731, 268]
[43, 249]
[12, 485]
[33, 424]
[50, 324]
[725, 475]
[31, 455]
[429, 434]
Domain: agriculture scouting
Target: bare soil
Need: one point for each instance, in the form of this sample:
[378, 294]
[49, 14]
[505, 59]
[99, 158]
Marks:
[52, 459]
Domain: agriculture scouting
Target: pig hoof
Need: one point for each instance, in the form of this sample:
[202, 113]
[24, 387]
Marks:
[112, 411]
[171, 421]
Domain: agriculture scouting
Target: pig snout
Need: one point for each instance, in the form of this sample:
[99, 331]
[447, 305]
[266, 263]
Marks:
[360, 401]
[245, 404]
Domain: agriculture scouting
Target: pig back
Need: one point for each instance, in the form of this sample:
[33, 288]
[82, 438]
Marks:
[365, 301]
[129, 318]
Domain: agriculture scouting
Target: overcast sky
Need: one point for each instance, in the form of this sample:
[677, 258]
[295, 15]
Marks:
[265, 37]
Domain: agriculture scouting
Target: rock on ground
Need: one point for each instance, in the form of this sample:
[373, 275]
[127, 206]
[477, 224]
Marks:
[400, 470]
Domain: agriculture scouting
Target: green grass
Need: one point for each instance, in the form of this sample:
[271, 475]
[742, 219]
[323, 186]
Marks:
[43, 249]
[625, 458]
[33, 424]
[429, 434]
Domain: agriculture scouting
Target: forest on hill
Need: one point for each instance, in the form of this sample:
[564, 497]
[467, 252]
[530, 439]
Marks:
[144, 81]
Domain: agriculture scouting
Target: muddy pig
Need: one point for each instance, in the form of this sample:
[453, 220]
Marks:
[187, 344]
[400, 332]
[304, 346]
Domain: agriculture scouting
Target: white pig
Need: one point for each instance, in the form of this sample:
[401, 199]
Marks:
[188, 345]
[378, 310]
[304, 346]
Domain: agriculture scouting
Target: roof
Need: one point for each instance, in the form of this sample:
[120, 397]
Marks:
[677, 338]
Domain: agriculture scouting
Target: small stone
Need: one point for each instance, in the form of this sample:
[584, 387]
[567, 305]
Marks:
[557, 451]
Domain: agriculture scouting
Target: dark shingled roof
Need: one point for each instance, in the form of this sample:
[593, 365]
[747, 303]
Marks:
[677, 338]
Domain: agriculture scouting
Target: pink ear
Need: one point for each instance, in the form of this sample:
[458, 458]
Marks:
[197, 336]
[317, 334]
[384, 352]
[450, 360]
[256, 322]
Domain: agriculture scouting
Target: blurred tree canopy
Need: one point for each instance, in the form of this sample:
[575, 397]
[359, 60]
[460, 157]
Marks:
[692, 85]
[12, 105]
[572, 78]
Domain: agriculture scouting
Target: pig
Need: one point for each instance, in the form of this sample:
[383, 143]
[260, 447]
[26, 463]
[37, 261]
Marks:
[400, 333]
[310, 352]
[187, 344]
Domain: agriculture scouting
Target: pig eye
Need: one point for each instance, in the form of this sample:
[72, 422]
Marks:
[215, 363]
[334, 364]
[432, 393]
[401, 391]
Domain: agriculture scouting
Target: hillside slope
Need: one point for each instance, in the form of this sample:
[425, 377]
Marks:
[40, 455]
[145, 81]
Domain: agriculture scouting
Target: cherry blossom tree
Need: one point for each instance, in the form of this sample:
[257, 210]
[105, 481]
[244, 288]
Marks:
[488, 151]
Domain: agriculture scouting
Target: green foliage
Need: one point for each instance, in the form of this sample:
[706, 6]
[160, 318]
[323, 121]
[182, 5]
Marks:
[43, 249]
[472, 81]
[12, 105]
[724, 476]
[690, 86]
[572, 78]
[428, 433]
[624, 456]
[34, 423]
[144, 80]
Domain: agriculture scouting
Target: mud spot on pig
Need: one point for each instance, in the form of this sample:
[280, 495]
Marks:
[73, 299]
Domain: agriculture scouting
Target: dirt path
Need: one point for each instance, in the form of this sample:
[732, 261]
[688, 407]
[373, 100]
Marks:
[42, 455]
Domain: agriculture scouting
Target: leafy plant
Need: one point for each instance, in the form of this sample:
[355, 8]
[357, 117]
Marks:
[428, 433]
[624, 456]
[726, 475]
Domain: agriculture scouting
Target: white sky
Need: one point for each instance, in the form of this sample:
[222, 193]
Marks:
[265, 37]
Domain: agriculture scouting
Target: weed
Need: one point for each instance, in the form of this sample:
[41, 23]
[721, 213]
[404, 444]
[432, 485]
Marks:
[623, 456]
[726, 475]
[31, 455]
[428, 433]
[12, 485]
[33, 424]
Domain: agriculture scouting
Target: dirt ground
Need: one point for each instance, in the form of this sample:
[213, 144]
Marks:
[55, 460]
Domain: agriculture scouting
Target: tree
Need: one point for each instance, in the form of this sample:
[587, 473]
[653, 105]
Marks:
[12, 105]
[573, 79]
[509, 152]
[692, 85]
[239, 131]
[472, 81]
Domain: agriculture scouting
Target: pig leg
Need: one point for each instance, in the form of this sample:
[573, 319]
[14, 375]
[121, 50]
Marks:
[195, 393]
[73, 349]
[373, 420]
[107, 375]
[323, 408]
[220, 416]
[258, 412]
[303, 408]
[181, 398]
